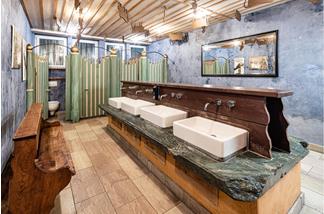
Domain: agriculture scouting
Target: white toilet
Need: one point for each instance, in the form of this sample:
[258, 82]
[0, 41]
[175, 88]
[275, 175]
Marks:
[53, 107]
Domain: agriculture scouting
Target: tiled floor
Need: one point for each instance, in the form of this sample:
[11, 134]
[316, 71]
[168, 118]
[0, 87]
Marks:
[108, 180]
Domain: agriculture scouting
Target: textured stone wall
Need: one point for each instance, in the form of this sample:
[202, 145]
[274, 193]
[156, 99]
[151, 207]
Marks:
[300, 25]
[13, 103]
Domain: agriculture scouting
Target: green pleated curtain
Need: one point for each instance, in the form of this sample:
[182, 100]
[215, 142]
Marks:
[72, 87]
[37, 81]
[90, 83]
[153, 71]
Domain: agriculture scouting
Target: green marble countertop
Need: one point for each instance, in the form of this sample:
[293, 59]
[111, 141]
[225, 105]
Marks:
[244, 177]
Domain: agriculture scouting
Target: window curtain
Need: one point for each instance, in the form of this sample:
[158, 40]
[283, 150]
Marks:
[53, 50]
[87, 50]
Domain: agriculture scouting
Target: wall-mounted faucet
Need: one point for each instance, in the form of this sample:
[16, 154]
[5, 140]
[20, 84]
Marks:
[138, 91]
[162, 96]
[218, 103]
[149, 90]
[133, 87]
[206, 106]
[231, 104]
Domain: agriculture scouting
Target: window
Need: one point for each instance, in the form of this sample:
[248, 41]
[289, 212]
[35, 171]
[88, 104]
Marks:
[54, 48]
[118, 46]
[135, 50]
[88, 49]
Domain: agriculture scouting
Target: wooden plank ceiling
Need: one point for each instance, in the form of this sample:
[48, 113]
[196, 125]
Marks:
[158, 17]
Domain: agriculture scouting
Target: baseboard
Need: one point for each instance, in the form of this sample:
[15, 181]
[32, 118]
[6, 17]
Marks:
[316, 148]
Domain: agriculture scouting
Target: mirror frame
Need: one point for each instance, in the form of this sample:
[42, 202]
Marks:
[275, 74]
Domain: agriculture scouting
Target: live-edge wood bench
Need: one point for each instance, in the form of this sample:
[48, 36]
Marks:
[41, 164]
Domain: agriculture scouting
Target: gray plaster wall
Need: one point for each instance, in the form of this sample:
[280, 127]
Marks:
[300, 25]
[13, 89]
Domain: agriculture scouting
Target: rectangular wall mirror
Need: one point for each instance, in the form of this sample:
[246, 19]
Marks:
[249, 56]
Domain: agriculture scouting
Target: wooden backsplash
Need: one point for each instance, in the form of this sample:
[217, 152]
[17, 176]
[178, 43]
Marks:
[257, 110]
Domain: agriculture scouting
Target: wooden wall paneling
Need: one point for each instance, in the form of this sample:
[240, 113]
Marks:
[258, 111]
[277, 199]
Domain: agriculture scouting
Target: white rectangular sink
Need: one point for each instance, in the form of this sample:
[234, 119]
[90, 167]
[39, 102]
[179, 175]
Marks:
[133, 106]
[214, 137]
[116, 101]
[161, 115]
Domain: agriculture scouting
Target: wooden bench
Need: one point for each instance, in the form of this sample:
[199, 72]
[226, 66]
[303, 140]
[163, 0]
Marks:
[41, 164]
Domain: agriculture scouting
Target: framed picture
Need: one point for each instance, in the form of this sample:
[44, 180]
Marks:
[16, 42]
[24, 59]
[258, 63]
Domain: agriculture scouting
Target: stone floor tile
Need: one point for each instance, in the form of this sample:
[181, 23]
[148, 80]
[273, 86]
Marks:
[156, 193]
[94, 122]
[313, 199]
[99, 204]
[82, 127]
[113, 177]
[305, 168]
[103, 165]
[92, 147]
[121, 192]
[86, 184]
[132, 169]
[180, 209]
[317, 172]
[137, 206]
[112, 148]
[312, 183]
[87, 136]
[70, 135]
[80, 160]
[308, 210]
[75, 145]
[64, 203]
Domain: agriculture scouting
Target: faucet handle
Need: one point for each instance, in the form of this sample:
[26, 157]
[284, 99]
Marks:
[231, 104]
[218, 102]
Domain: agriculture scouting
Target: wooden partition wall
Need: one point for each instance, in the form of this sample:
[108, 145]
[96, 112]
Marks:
[260, 111]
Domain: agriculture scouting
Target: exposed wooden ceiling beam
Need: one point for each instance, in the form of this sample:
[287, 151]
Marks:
[41, 11]
[98, 8]
[102, 19]
[175, 17]
[114, 15]
[129, 11]
[142, 14]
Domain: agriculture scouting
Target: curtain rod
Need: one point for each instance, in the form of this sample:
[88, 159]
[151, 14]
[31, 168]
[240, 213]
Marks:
[57, 33]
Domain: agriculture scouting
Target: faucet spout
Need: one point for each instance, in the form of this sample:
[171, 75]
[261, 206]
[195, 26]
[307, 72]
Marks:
[206, 106]
[138, 91]
[162, 96]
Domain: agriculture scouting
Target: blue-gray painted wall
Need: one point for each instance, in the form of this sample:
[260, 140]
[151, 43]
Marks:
[300, 25]
[13, 90]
